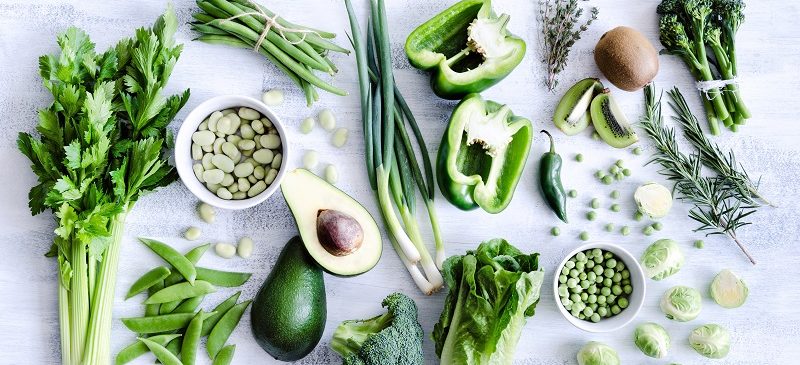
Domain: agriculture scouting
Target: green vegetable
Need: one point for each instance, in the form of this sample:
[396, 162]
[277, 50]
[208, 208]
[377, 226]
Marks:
[555, 231]
[192, 338]
[729, 290]
[595, 203]
[711, 340]
[657, 226]
[294, 49]
[597, 353]
[492, 290]
[224, 327]
[661, 259]
[699, 243]
[597, 281]
[224, 356]
[102, 144]
[648, 231]
[550, 181]
[614, 194]
[393, 338]
[584, 236]
[579, 157]
[174, 258]
[148, 280]
[625, 230]
[637, 151]
[466, 48]
[615, 208]
[559, 29]
[160, 323]
[609, 227]
[222, 278]
[653, 199]
[482, 154]
[607, 180]
[681, 303]
[181, 291]
[688, 29]
[392, 166]
[162, 354]
[210, 321]
[652, 339]
[138, 348]
[591, 215]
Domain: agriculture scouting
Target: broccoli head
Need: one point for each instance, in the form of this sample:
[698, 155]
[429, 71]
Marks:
[730, 13]
[393, 338]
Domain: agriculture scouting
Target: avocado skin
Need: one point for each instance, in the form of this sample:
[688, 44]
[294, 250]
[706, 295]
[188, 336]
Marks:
[288, 313]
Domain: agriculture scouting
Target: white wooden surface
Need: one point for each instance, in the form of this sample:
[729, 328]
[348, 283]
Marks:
[764, 331]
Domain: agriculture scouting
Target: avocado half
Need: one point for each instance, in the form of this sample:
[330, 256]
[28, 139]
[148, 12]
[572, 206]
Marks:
[307, 196]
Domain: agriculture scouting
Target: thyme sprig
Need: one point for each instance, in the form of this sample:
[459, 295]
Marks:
[560, 25]
[717, 206]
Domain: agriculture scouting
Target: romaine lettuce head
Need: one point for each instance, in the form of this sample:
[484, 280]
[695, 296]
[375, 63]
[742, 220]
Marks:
[492, 291]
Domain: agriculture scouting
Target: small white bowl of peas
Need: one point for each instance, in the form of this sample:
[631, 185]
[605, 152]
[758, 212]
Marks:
[599, 287]
[230, 152]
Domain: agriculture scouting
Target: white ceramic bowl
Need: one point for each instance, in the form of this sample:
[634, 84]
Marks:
[636, 298]
[183, 153]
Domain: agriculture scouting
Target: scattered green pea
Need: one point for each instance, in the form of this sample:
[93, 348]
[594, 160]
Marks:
[620, 163]
[615, 208]
[657, 226]
[579, 157]
[614, 194]
[625, 230]
[638, 216]
[699, 244]
[599, 174]
[555, 231]
[595, 203]
[619, 176]
[591, 215]
[572, 193]
[648, 230]
[626, 172]
[609, 227]
[637, 151]
[584, 236]
[607, 180]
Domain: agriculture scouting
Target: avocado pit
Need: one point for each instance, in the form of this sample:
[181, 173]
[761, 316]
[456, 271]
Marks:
[338, 233]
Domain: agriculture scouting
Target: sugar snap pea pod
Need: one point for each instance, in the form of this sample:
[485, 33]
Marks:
[174, 347]
[222, 278]
[219, 311]
[169, 307]
[174, 258]
[147, 280]
[192, 338]
[155, 324]
[138, 348]
[224, 356]
[189, 305]
[223, 329]
[181, 291]
[162, 354]
[153, 309]
[193, 256]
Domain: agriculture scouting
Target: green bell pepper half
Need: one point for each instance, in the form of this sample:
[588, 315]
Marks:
[466, 47]
[482, 154]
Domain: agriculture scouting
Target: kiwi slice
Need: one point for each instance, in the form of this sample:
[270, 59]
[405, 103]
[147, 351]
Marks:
[572, 113]
[610, 122]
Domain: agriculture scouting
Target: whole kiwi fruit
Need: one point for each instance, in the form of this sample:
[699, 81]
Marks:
[626, 58]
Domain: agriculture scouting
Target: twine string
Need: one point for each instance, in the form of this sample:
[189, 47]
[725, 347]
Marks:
[705, 87]
[271, 23]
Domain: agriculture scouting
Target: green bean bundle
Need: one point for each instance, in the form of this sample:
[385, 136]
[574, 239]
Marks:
[294, 49]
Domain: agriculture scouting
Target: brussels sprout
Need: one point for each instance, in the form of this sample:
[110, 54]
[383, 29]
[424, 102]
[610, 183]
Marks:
[728, 290]
[652, 339]
[653, 199]
[681, 303]
[597, 353]
[711, 340]
[662, 259]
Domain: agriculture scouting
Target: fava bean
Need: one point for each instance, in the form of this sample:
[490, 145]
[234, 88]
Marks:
[271, 141]
[221, 309]
[233, 139]
[198, 171]
[224, 356]
[203, 138]
[230, 150]
[339, 137]
[310, 160]
[247, 144]
[147, 280]
[214, 176]
[239, 195]
[209, 148]
[217, 148]
[307, 125]
[263, 156]
[181, 291]
[223, 329]
[207, 164]
[244, 169]
[243, 184]
[331, 175]
[227, 180]
[206, 212]
[272, 97]
[276, 162]
[247, 132]
[226, 279]
[223, 193]
[271, 175]
[249, 114]
[224, 125]
[225, 250]
[327, 120]
[257, 126]
[160, 323]
[245, 247]
[197, 151]
[138, 348]
[259, 172]
[178, 261]
[203, 126]
[223, 162]
[256, 189]
[252, 179]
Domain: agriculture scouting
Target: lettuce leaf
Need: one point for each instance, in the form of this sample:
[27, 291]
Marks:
[492, 291]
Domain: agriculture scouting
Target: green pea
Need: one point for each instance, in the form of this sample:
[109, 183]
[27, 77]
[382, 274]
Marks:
[219, 311]
[572, 282]
[592, 298]
[619, 176]
[579, 306]
[613, 169]
[566, 302]
[611, 298]
[181, 291]
[601, 300]
[574, 273]
[658, 226]
[580, 256]
[593, 306]
[637, 151]
[162, 354]
[147, 280]
[592, 289]
[590, 264]
[575, 312]
[607, 282]
[599, 174]
[595, 203]
[562, 279]
[620, 163]
[223, 329]
[565, 270]
[626, 274]
[222, 278]
[576, 289]
[626, 172]
[605, 291]
[588, 311]
[627, 289]
[615, 309]
[612, 263]
[608, 273]
[555, 231]
[626, 281]
[623, 303]
[598, 270]
[591, 215]
[575, 298]
[582, 276]
[570, 264]
[562, 290]
[648, 230]
[614, 194]
[699, 244]
[616, 289]
[602, 311]
[597, 252]
[584, 284]
[174, 258]
[584, 236]
[580, 265]
[615, 208]
[599, 279]
[579, 157]
[608, 255]
[607, 180]
[581, 316]
[598, 259]
[225, 355]
[638, 216]
[609, 227]
[616, 278]
[620, 266]
[160, 323]
[138, 348]
[591, 276]
[572, 193]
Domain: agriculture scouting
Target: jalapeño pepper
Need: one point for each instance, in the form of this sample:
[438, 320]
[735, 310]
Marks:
[550, 181]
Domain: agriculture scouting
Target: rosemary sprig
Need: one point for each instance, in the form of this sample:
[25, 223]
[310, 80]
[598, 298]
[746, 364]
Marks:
[558, 20]
[711, 154]
[716, 204]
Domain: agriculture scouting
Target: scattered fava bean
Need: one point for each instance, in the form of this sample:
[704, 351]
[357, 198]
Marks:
[243, 169]
[626, 172]
[276, 162]
[259, 172]
[615, 208]
[249, 114]
[230, 150]
[595, 203]
[658, 226]
[239, 195]
[327, 120]
[206, 212]
[607, 180]
[648, 230]
[555, 231]
[699, 243]
[331, 175]
[203, 138]
[225, 250]
[310, 159]
[584, 236]
[247, 132]
[579, 157]
[591, 215]
[614, 194]
[223, 162]
[247, 144]
[243, 184]
[609, 227]
[256, 189]
[214, 176]
[272, 97]
[224, 193]
[271, 141]
[339, 137]
[637, 151]
[263, 156]
[192, 233]
[197, 152]
[245, 247]
[271, 175]
[572, 193]
[307, 125]
[227, 180]
[198, 171]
